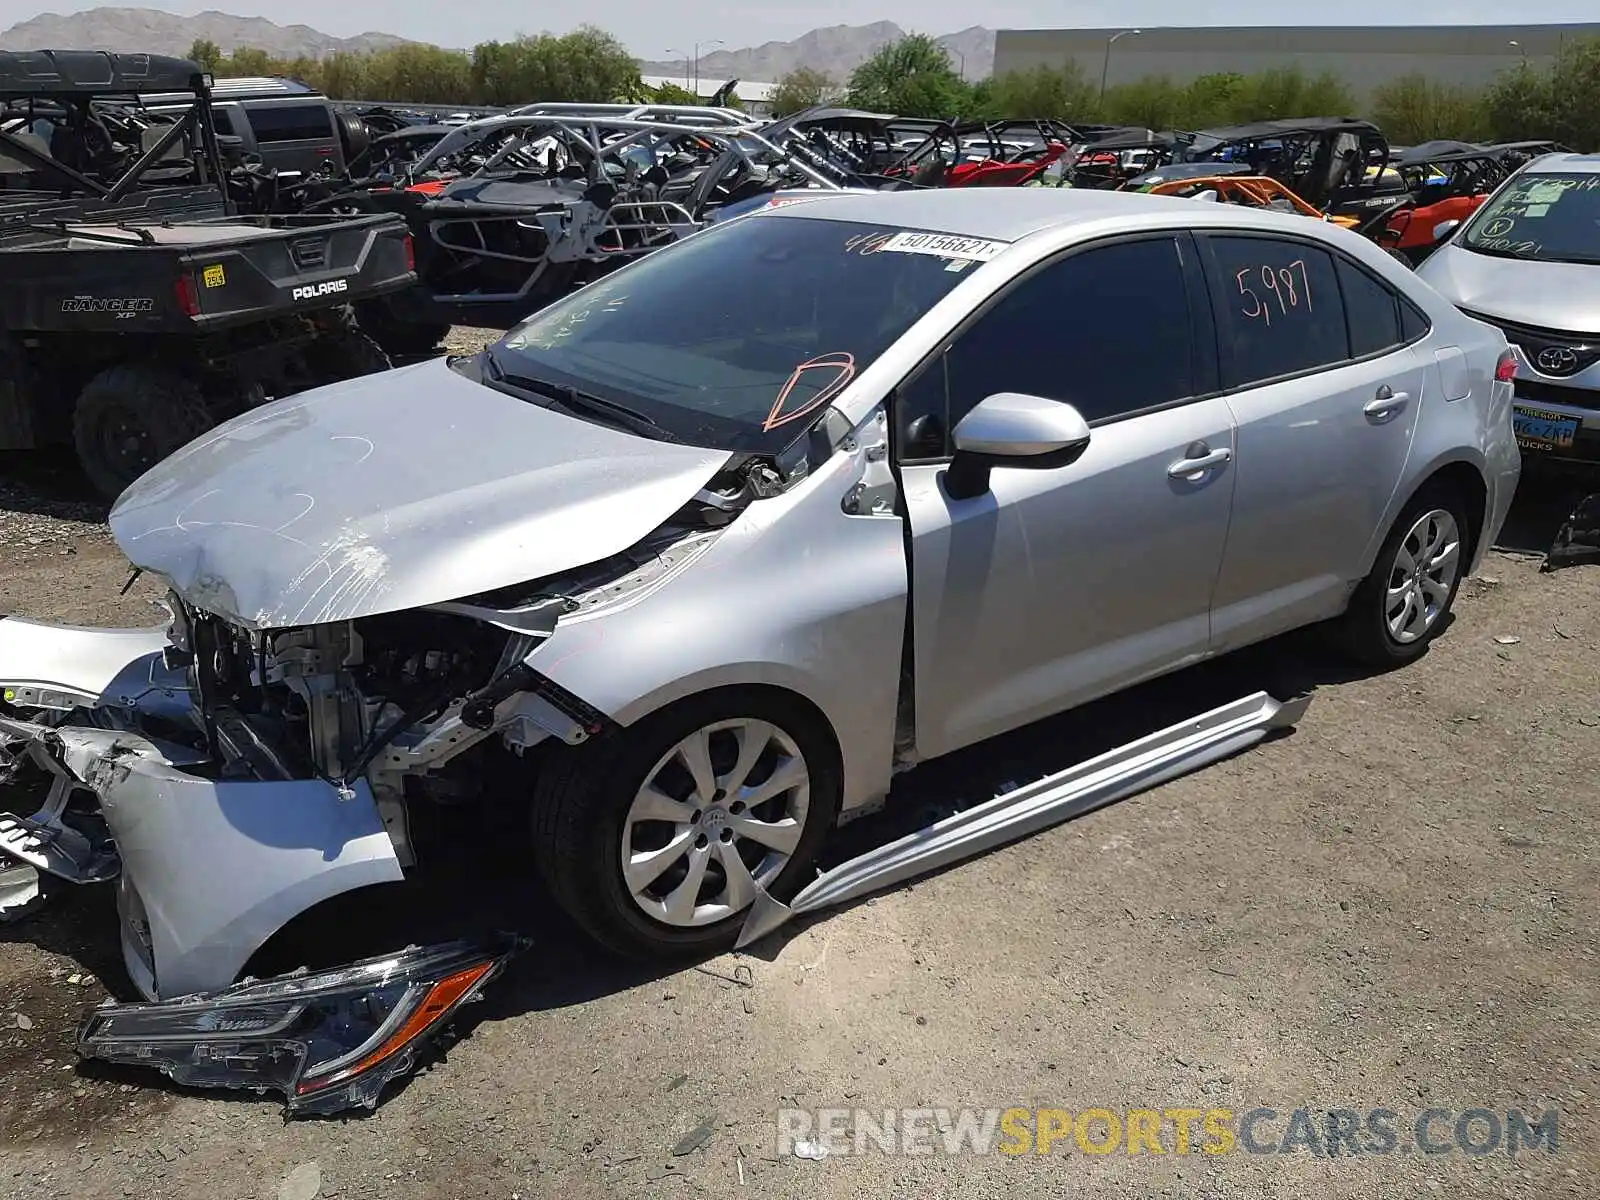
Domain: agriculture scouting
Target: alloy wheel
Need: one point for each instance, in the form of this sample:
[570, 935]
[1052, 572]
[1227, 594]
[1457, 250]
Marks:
[721, 812]
[1422, 576]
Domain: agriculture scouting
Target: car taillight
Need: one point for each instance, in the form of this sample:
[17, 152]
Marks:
[187, 297]
[1505, 371]
[411, 253]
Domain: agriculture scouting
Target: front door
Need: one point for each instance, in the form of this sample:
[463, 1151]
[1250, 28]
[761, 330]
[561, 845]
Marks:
[1060, 585]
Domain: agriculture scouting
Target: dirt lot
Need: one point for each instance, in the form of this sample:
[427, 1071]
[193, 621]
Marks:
[1394, 907]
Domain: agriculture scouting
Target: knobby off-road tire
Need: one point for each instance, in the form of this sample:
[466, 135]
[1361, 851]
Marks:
[585, 794]
[399, 339]
[1365, 633]
[130, 417]
[344, 351]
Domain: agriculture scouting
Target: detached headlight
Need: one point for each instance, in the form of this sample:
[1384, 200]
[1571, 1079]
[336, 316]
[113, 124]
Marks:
[327, 1042]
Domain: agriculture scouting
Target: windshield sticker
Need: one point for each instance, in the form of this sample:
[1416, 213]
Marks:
[943, 245]
[1536, 210]
[830, 374]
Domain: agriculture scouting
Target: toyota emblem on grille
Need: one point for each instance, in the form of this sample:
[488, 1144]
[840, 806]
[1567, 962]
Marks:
[1557, 360]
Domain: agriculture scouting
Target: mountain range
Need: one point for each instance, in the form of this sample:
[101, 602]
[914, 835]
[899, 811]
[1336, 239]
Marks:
[835, 51]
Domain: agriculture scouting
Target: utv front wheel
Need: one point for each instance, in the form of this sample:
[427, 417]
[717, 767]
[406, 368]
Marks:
[128, 418]
[654, 838]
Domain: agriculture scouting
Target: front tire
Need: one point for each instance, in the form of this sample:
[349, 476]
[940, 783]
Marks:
[653, 837]
[1403, 604]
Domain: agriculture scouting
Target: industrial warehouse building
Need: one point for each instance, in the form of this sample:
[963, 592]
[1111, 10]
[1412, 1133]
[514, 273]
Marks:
[1364, 57]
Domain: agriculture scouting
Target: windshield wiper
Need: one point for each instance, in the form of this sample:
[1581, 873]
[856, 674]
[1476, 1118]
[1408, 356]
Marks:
[1494, 252]
[578, 401]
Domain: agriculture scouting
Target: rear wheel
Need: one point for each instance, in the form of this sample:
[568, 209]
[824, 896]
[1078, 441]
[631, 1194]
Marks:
[344, 351]
[398, 337]
[1402, 605]
[130, 417]
[655, 838]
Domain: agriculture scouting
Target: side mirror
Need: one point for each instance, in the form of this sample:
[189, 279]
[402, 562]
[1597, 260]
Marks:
[1009, 429]
[1444, 229]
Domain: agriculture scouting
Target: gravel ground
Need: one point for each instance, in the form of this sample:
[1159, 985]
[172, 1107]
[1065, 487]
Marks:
[1394, 907]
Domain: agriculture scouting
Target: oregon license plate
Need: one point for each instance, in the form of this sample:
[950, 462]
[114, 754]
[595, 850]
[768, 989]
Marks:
[1537, 429]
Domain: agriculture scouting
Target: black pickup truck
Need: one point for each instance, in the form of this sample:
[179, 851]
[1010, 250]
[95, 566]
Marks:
[140, 309]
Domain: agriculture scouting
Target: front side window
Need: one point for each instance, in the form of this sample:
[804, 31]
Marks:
[738, 337]
[1546, 216]
[1107, 330]
[1279, 308]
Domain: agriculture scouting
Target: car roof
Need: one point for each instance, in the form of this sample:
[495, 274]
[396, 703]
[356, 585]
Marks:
[1574, 164]
[1010, 214]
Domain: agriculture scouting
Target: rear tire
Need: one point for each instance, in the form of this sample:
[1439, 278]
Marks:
[344, 351]
[1404, 603]
[400, 338]
[592, 807]
[130, 417]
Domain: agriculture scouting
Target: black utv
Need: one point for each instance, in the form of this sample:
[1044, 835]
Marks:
[140, 308]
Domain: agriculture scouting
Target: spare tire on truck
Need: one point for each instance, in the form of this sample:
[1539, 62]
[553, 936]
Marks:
[130, 417]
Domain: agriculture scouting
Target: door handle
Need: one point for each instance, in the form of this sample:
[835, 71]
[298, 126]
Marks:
[1186, 467]
[1386, 402]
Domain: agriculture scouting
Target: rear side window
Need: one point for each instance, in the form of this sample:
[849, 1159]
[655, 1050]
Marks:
[222, 122]
[1372, 310]
[1279, 308]
[1107, 330]
[290, 122]
[1414, 323]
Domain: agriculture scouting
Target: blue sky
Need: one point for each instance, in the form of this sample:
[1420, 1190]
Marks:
[649, 28]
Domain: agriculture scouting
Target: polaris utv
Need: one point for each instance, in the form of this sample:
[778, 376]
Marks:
[140, 308]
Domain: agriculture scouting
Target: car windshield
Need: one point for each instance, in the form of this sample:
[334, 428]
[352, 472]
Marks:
[738, 337]
[1546, 216]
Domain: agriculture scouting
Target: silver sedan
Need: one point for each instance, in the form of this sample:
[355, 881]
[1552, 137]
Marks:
[723, 541]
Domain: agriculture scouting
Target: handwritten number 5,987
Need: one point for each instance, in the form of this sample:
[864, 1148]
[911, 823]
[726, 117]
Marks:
[1289, 286]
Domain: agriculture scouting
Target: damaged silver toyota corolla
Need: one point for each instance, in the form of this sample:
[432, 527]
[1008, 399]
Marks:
[722, 541]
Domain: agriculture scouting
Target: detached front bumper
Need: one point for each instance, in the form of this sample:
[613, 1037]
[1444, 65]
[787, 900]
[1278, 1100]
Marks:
[207, 870]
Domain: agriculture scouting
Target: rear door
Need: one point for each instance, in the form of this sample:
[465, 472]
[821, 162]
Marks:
[1057, 586]
[1322, 373]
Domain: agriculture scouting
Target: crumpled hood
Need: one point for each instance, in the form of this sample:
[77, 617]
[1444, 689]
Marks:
[391, 492]
[1547, 295]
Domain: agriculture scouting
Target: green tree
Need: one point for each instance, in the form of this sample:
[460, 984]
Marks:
[1289, 92]
[1211, 100]
[911, 78]
[670, 93]
[1414, 109]
[801, 88]
[1059, 93]
[420, 74]
[1154, 102]
[204, 54]
[587, 64]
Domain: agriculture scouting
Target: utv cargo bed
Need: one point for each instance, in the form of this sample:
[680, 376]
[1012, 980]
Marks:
[143, 277]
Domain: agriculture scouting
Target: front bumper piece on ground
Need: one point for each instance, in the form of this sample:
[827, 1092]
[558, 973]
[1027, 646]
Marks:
[328, 1042]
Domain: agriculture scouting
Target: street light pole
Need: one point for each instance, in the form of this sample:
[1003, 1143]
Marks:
[962, 59]
[1520, 50]
[697, 45]
[686, 60]
[1105, 69]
